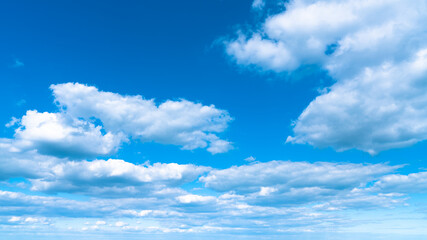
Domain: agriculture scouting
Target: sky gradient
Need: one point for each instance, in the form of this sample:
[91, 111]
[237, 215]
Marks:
[218, 119]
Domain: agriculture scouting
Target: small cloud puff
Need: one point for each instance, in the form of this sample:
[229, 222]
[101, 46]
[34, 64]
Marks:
[17, 64]
[258, 4]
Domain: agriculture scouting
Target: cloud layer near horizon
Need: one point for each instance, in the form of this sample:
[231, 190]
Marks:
[305, 194]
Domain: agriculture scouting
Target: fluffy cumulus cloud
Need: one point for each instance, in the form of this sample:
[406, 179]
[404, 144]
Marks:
[94, 123]
[334, 34]
[382, 108]
[27, 164]
[60, 135]
[184, 123]
[368, 47]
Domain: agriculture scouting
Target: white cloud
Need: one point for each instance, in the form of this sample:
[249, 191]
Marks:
[94, 123]
[20, 204]
[192, 198]
[364, 33]
[265, 191]
[258, 4]
[250, 159]
[57, 134]
[120, 224]
[382, 108]
[411, 183]
[106, 178]
[250, 178]
[151, 213]
[264, 53]
[219, 146]
[361, 200]
[29, 164]
[116, 178]
[35, 206]
[31, 220]
[285, 195]
[368, 47]
[188, 124]
[14, 219]
[279, 182]
[12, 122]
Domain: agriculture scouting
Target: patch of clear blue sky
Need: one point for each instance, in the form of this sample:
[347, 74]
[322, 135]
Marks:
[163, 50]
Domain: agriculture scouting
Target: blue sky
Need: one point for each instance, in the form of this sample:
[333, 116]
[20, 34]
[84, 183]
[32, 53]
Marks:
[269, 119]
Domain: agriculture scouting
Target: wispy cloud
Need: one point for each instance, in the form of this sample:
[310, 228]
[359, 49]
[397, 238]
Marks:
[258, 4]
[17, 64]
